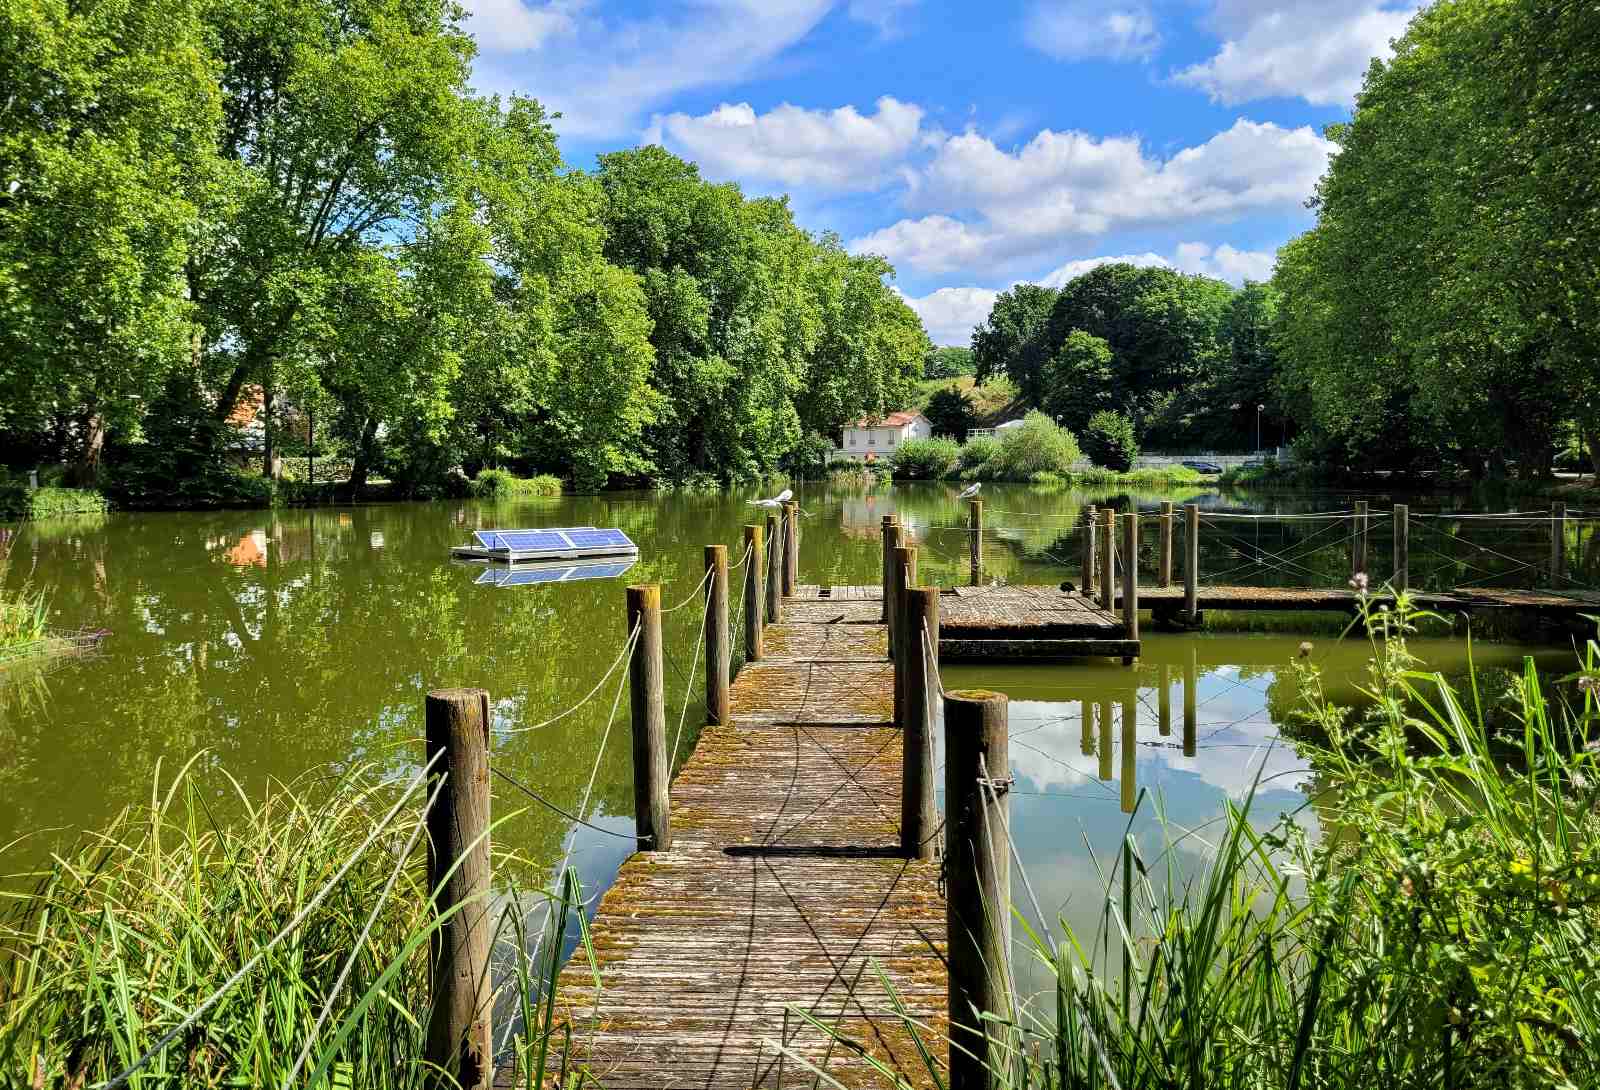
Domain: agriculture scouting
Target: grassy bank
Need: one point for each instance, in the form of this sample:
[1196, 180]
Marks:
[299, 933]
[18, 501]
[1443, 932]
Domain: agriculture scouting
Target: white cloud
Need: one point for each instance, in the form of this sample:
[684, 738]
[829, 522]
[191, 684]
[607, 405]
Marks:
[834, 150]
[1077, 29]
[1074, 269]
[1064, 186]
[883, 14]
[1305, 49]
[602, 74]
[1224, 262]
[950, 313]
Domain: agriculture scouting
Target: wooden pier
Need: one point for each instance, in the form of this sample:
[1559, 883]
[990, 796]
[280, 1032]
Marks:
[785, 882]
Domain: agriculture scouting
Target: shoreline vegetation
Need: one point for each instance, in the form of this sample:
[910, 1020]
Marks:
[1442, 931]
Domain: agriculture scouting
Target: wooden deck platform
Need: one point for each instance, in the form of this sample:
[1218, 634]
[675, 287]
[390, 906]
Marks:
[785, 880]
[1548, 603]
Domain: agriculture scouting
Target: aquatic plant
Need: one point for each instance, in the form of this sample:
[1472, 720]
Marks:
[926, 459]
[502, 483]
[320, 889]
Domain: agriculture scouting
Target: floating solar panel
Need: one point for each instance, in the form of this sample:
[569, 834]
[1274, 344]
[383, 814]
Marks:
[567, 543]
[494, 539]
[594, 539]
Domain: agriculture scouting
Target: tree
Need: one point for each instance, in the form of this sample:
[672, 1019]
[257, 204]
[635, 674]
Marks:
[106, 129]
[1007, 341]
[951, 413]
[1110, 440]
[1438, 296]
[943, 361]
[1081, 380]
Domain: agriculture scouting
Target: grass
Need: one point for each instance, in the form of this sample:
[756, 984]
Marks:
[1444, 931]
[106, 948]
[994, 402]
[20, 501]
[1147, 477]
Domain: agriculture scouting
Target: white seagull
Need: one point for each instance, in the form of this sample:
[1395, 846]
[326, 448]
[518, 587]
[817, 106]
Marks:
[970, 491]
[776, 501]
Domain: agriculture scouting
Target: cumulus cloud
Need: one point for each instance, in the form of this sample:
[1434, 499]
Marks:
[1304, 49]
[1224, 262]
[1074, 269]
[950, 313]
[603, 72]
[1065, 186]
[831, 150]
[1078, 29]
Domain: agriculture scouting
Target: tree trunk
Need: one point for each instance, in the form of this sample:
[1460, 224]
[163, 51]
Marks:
[1591, 442]
[87, 472]
[266, 431]
[363, 460]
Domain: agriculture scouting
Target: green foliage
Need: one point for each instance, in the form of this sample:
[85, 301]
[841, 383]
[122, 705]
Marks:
[1080, 380]
[46, 503]
[1008, 342]
[502, 484]
[1110, 441]
[977, 453]
[951, 413]
[925, 459]
[944, 361]
[177, 463]
[1439, 313]
[1038, 445]
[116, 941]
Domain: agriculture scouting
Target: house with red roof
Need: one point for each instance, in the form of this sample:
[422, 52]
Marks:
[871, 438]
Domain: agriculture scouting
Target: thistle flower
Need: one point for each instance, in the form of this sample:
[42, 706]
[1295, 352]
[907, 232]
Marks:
[1589, 683]
[1305, 649]
[1358, 582]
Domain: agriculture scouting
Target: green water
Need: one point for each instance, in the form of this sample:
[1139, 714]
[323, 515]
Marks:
[282, 644]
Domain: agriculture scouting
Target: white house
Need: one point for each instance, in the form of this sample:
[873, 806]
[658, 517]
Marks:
[993, 433]
[867, 439]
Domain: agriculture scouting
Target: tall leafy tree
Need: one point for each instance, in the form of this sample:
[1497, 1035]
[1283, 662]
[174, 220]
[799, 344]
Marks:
[1008, 342]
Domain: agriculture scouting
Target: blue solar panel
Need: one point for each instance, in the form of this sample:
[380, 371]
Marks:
[496, 539]
[595, 539]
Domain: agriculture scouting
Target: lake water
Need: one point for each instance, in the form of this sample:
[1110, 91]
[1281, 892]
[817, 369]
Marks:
[282, 643]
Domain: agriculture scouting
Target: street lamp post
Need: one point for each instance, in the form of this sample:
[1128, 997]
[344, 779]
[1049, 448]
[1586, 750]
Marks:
[1259, 410]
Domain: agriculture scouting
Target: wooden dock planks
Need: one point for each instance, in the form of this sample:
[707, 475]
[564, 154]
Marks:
[785, 885]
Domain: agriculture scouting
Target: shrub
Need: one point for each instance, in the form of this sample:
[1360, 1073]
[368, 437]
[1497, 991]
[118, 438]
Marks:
[1111, 441]
[951, 413]
[502, 484]
[977, 453]
[1038, 445]
[925, 459]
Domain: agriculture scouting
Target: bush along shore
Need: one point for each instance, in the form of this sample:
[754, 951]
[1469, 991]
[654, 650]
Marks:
[1444, 931]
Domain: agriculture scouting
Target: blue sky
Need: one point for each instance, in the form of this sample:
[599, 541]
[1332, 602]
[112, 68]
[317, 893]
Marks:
[975, 146]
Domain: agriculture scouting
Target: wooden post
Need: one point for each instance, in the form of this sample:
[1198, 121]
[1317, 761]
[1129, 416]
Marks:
[1402, 547]
[1558, 542]
[791, 548]
[1104, 738]
[716, 621]
[1108, 560]
[1191, 562]
[1088, 551]
[902, 574]
[1164, 707]
[919, 817]
[1086, 729]
[774, 570]
[1130, 575]
[646, 700]
[1190, 680]
[1164, 573]
[460, 1043]
[891, 542]
[1358, 540]
[975, 526]
[754, 565]
[978, 879]
[1130, 751]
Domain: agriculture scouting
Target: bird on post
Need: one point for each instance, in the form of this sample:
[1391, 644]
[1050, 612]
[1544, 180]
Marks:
[776, 501]
[970, 491]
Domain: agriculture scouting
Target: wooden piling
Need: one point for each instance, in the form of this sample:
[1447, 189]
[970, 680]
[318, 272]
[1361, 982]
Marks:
[1103, 738]
[978, 880]
[1130, 578]
[646, 699]
[1130, 752]
[774, 570]
[1190, 680]
[791, 547]
[1086, 728]
[902, 574]
[460, 1041]
[1402, 547]
[1558, 542]
[975, 528]
[1089, 516]
[891, 542]
[754, 565]
[1191, 562]
[1358, 539]
[918, 665]
[1164, 572]
[716, 635]
[1108, 559]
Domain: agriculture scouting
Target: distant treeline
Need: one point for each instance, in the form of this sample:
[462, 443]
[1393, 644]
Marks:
[1442, 315]
[300, 208]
